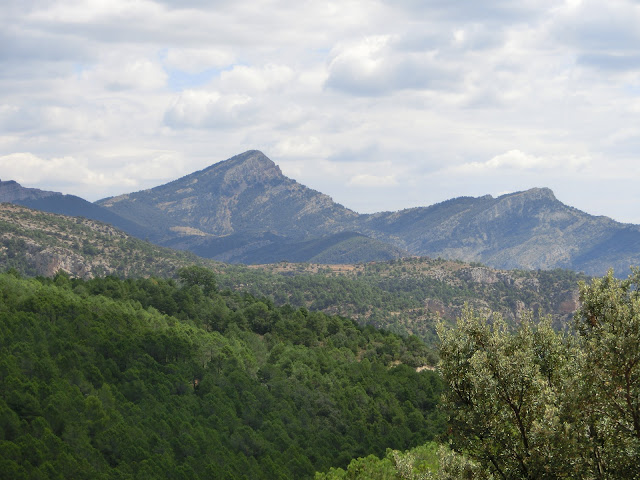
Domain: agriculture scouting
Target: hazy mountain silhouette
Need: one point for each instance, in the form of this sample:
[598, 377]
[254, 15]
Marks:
[245, 210]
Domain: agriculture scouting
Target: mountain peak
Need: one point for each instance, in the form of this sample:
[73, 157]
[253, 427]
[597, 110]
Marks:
[252, 163]
[247, 192]
[250, 158]
[536, 193]
[249, 168]
[540, 192]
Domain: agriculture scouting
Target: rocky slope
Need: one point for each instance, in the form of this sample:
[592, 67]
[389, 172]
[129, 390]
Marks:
[41, 243]
[245, 210]
[245, 193]
[531, 230]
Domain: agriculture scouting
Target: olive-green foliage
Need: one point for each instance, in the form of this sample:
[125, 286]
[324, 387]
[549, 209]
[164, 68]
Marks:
[530, 402]
[609, 398]
[198, 276]
[505, 393]
[419, 463]
[407, 296]
[153, 378]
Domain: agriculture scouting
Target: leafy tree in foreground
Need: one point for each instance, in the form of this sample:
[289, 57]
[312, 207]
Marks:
[529, 402]
[609, 326]
[426, 462]
[505, 395]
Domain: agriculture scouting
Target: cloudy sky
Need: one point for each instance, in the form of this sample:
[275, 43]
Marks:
[383, 104]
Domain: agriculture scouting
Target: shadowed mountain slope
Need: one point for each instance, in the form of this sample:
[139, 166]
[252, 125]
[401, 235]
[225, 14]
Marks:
[252, 248]
[11, 191]
[529, 229]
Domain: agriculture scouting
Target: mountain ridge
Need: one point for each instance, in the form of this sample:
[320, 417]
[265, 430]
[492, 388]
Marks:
[245, 210]
[71, 205]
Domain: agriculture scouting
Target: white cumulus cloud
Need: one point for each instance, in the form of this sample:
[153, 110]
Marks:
[117, 73]
[201, 108]
[379, 65]
[518, 160]
[24, 167]
[242, 78]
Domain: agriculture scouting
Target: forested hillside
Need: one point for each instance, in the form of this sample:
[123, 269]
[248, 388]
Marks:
[227, 371]
[407, 296]
[153, 378]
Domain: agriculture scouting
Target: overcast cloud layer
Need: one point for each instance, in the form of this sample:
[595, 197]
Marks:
[381, 104]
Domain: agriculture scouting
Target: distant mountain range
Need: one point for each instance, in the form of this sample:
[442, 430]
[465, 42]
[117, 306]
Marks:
[244, 210]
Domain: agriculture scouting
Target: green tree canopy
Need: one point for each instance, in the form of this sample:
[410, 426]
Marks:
[531, 402]
[202, 277]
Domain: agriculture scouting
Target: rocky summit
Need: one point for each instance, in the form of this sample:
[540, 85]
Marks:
[245, 210]
[245, 193]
